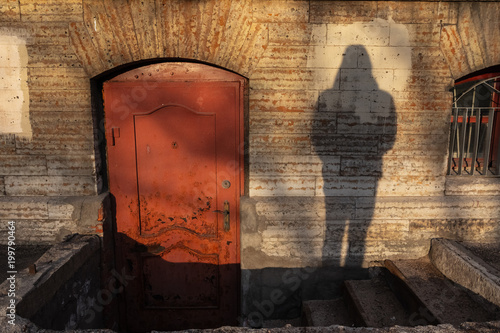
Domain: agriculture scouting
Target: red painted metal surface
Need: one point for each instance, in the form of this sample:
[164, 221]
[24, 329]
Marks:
[173, 148]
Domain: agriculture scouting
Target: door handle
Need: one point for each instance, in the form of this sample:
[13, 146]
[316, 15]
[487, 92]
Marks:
[226, 213]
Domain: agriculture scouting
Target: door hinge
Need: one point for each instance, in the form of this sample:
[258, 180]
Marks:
[115, 134]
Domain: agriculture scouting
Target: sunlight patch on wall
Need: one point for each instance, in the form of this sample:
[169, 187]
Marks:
[372, 60]
[14, 92]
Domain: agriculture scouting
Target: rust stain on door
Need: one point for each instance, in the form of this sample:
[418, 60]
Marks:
[175, 168]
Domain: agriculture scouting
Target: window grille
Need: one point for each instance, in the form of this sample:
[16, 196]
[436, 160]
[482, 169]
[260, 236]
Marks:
[475, 127]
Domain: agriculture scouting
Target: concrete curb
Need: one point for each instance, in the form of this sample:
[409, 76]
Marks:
[463, 267]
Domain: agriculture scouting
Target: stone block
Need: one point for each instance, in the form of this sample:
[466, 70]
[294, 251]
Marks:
[366, 79]
[293, 231]
[120, 20]
[283, 100]
[145, 26]
[52, 10]
[60, 123]
[58, 79]
[38, 33]
[294, 250]
[55, 144]
[360, 102]
[9, 11]
[292, 123]
[277, 56]
[330, 56]
[70, 165]
[91, 58]
[52, 55]
[415, 144]
[238, 31]
[383, 57]
[46, 231]
[375, 33]
[428, 58]
[470, 28]
[432, 165]
[282, 186]
[304, 208]
[412, 186]
[49, 185]
[2, 186]
[366, 238]
[281, 11]
[422, 80]
[279, 144]
[101, 27]
[25, 208]
[367, 165]
[63, 208]
[297, 34]
[434, 207]
[336, 252]
[341, 144]
[367, 123]
[415, 101]
[466, 229]
[454, 52]
[60, 100]
[13, 52]
[7, 144]
[365, 251]
[342, 12]
[430, 123]
[23, 165]
[346, 186]
[472, 186]
[290, 165]
[294, 79]
[12, 77]
[411, 12]
[418, 34]
[256, 42]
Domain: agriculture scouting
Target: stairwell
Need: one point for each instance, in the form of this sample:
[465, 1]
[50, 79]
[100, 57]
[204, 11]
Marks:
[454, 284]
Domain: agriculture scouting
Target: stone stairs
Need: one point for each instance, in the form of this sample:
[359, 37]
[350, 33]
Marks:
[416, 292]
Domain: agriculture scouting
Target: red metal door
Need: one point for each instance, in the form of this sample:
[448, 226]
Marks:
[175, 172]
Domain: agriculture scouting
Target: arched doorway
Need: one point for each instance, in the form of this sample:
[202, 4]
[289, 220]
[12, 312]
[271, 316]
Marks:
[175, 168]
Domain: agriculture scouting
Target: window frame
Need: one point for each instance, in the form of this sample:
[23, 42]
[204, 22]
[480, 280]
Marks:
[460, 160]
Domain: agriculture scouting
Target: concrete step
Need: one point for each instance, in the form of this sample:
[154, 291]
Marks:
[373, 304]
[323, 313]
[474, 266]
[430, 297]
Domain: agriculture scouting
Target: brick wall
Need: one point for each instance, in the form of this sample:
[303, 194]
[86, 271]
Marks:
[348, 116]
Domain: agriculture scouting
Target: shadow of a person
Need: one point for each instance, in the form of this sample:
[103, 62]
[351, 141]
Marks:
[365, 131]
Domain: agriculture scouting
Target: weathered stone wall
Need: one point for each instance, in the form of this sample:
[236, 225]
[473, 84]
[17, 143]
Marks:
[349, 110]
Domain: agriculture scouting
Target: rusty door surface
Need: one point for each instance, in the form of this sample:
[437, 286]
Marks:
[175, 173]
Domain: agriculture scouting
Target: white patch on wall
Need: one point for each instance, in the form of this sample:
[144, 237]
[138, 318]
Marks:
[14, 92]
[367, 57]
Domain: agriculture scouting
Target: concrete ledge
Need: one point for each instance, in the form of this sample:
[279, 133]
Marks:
[60, 265]
[48, 220]
[463, 267]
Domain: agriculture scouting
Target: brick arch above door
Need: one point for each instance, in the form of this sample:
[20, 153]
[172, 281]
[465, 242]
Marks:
[115, 33]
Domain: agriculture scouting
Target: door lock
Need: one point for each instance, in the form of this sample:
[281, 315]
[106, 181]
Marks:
[226, 213]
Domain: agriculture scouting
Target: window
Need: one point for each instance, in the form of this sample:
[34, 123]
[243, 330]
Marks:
[475, 126]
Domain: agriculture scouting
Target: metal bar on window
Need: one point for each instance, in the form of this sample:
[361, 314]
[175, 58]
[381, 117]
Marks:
[461, 152]
[454, 112]
[488, 142]
[476, 136]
